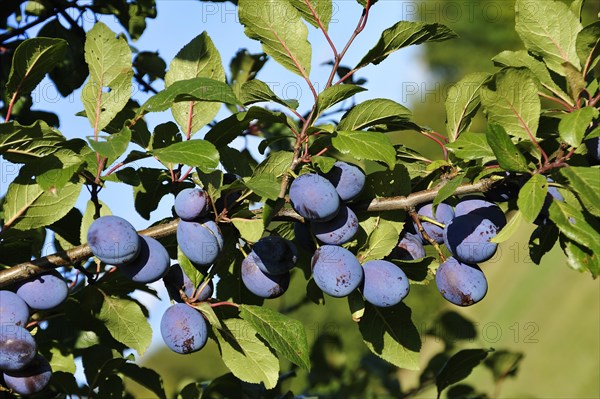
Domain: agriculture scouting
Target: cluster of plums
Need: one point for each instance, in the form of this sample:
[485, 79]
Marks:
[23, 370]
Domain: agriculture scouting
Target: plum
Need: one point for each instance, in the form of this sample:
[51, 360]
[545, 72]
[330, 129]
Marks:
[338, 230]
[478, 206]
[385, 284]
[198, 242]
[314, 198]
[274, 255]
[336, 271]
[347, 179]
[151, 264]
[183, 329]
[113, 240]
[468, 238]
[410, 247]
[44, 292]
[214, 228]
[17, 347]
[460, 283]
[32, 379]
[262, 284]
[593, 148]
[13, 310]
[443, 214]
[191, 203]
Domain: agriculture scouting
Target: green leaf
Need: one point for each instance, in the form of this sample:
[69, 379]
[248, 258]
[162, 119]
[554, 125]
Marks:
[55, 170]
[459, 367]
[390, 334]
[32, 60]
[573, 126]
[508, 155]
[27, 206]
[194, 89]
[255, 91]
[448, 189]
[579, 258]
[114, 145]
[511, 100]
[586, 184]
[508, 231]
[373, 112]
[88, 217]
[320, 10]
[471, 146]
[462, 103]
[22, 144]
[284, 334]
[244, 67]
[126, 322]
[251, 230]
[266, 179]
[532, 196]
[335, 94]
[188, 268]
[365, 145]
[549, 30]
[404, 34]
[62, 362]
[279, 27]
[542, 240]
[381, 241]
[588, 46]
[109, 86]
[197, 59]
[573, 224]
[209, 314]
[248, 358]
[196, 153]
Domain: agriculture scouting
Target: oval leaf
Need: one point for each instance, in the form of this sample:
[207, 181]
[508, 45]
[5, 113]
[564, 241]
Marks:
[365, 145]
[197, 153]
[532, 196]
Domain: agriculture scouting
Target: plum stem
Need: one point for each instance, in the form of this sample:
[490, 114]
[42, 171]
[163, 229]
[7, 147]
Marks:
[217, 304]
[416, 217]
[432, 221]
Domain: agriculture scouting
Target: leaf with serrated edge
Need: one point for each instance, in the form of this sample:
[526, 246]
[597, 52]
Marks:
[588, 46]
[251, 230]
[448, 189]
[462, 103]
[197, 153]
[381, 241]
[114, 145]
[323, 9]
[109, 61]
[372, 112]
[470, 146]
[125, 321]
[210, 315]
[248, 358]
[335, 94]
[255, 91]
[508, 155]
[586, 184]
[573, 126]
[284, 334]
[532, 196]
[365, 145]
[572, 223]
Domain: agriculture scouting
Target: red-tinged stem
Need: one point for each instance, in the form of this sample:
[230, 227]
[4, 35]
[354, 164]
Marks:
[415, 217]
[10, 107]
[217, 304]
[298, 66]
[173, 179]
[114, 168]
[438, 142]
[188, 132]
[558, 101]
[530, 134]
[185, 175]
[320, 23]
[438, 135]
[323, 151]
[299, 116]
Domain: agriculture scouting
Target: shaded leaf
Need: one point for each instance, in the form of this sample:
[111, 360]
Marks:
[373, 112]
[532, 196]
[459, 367]
[335, 94]
[508, 155]
[256, 90]
[319, 11]
[586, 184]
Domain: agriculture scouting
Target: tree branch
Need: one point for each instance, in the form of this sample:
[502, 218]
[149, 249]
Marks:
[27, 270]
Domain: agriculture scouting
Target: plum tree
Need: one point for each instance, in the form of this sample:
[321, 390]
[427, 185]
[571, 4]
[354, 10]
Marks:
[17, 347]
[262, 284]
[460, 283]
[385, 284]
[410, 247]
[191, 203]
[183, 329]
[314, 197]
[347, 179]
[31, 379]
[274, 255]
[198, 242]
[468, 238]
[13, 310]
[44, 292]
[443, 214]
[113, 240]
[151, 264]
[336, 271]
[338, 230]
[481, 207]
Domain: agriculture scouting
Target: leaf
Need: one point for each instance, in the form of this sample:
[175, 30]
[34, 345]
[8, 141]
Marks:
[542, 240]
[390, 334]
[109, 86]
[462, 103]
[381, 241]
[32, 60]
[188, 268]
[279, 27]
[27, 206]
[283, 333]
[248, 358]
[573, 224]
[196, 153]
[209, 314]
[511, 228]
[588, 46]
[335, 94]
[55, 170]
[146, 377]
[251, 230]
[580, 259]
[586, 184]
[573, 126]
[126, 322]
[197, 59]
[322, 9]
[459, 367]
[255, 91]
[508, 155]
[21, 144]
[365, 145]
[373, 112]
[511, 100]
[404, 34]
[62, 362]
[471, 146]
[266, 179]
[114, 145]
[532, 196]
[244, 67]
[448, 189]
